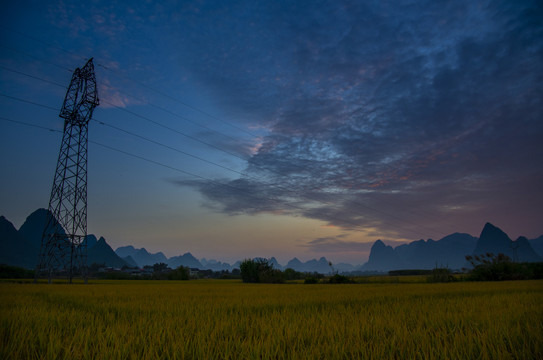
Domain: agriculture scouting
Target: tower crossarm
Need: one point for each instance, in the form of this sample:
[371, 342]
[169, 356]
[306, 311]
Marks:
[81, 97]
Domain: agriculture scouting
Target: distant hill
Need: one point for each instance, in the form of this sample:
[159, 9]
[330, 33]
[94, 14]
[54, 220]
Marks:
[102, 253]
[383, 258]
[494, 240]
[186, 260]
[14, 248]
[141, 256]
[321, 266]
[449, 252]
[537, 245]
[21, 247]
[215, 265]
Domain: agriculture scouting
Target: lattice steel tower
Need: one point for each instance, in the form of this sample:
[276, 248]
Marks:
[64, 248]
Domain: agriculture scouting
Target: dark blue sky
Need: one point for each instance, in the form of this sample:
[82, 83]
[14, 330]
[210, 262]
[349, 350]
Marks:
[313, 127]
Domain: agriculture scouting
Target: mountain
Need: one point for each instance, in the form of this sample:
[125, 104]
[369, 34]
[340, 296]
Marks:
[275, 264]
[321, 266]
[14, 248]
[90, 240]
[294, 264]
[383, 258]
[537, 245]
[102, 253]
[186, 260]
[494, 240]
[21, 247]
[125, 251]
[141, 256]
[215, 265]
[32, 232]
[128, 259]
[343, 267]
[449, 252]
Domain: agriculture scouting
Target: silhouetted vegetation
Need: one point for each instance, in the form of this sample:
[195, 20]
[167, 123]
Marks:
[260, 270]
[180, 273]
[409, 272]
[15, 272]
[311, 280]
[490, 267]
[340, 279]
[441, 275]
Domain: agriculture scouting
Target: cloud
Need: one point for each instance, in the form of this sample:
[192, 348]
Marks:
[390, 118]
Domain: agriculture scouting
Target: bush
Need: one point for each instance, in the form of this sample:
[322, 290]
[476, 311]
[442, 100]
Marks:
[441, 275]
[490, 267]
[340, 279]
[311, 280]
[249, 271]
[14, 272]
[260, 271]
[181, 273]
[291, 274]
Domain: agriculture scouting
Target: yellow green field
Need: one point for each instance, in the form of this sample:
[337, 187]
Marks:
[231, 320]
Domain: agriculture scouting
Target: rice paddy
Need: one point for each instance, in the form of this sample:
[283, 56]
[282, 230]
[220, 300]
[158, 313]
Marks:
[226, 319]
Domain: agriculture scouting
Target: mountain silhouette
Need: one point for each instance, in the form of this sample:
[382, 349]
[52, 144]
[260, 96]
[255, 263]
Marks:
[141, 256]
[383, 258]
[449, 252]
[321, 266]
[494, 240]
[14, 248]
[102, 253]
[215, 265]
[186, 260]
[21, 248]
[537, 245]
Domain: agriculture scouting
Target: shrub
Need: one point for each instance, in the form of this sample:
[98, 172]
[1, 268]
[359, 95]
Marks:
[441, 275]
[311, 280]
[490, 267]
[260, 270]
[181, 273]
[14, 272]
[340, 279]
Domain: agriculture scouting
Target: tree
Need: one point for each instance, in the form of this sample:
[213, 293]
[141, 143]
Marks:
[249, 269]
[490, 267]
[260, 270]
[159, 267]
[180, 273]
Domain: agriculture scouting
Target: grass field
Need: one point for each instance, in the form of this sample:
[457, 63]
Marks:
[231, 320]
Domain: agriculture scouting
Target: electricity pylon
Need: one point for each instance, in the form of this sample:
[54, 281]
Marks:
[64, 246]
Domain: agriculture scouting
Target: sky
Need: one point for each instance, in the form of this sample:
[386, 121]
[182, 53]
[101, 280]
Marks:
[234, 129]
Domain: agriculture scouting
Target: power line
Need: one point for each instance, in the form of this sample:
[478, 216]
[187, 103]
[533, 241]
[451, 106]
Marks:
[159, 92]
[173, 130]
[101, 122]
[29, 124]
[194, 156]
[36, 58]
[198, 140]
[111, 148]
[209, 180]
[179, 101]
[174, 114]
[30, 102]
